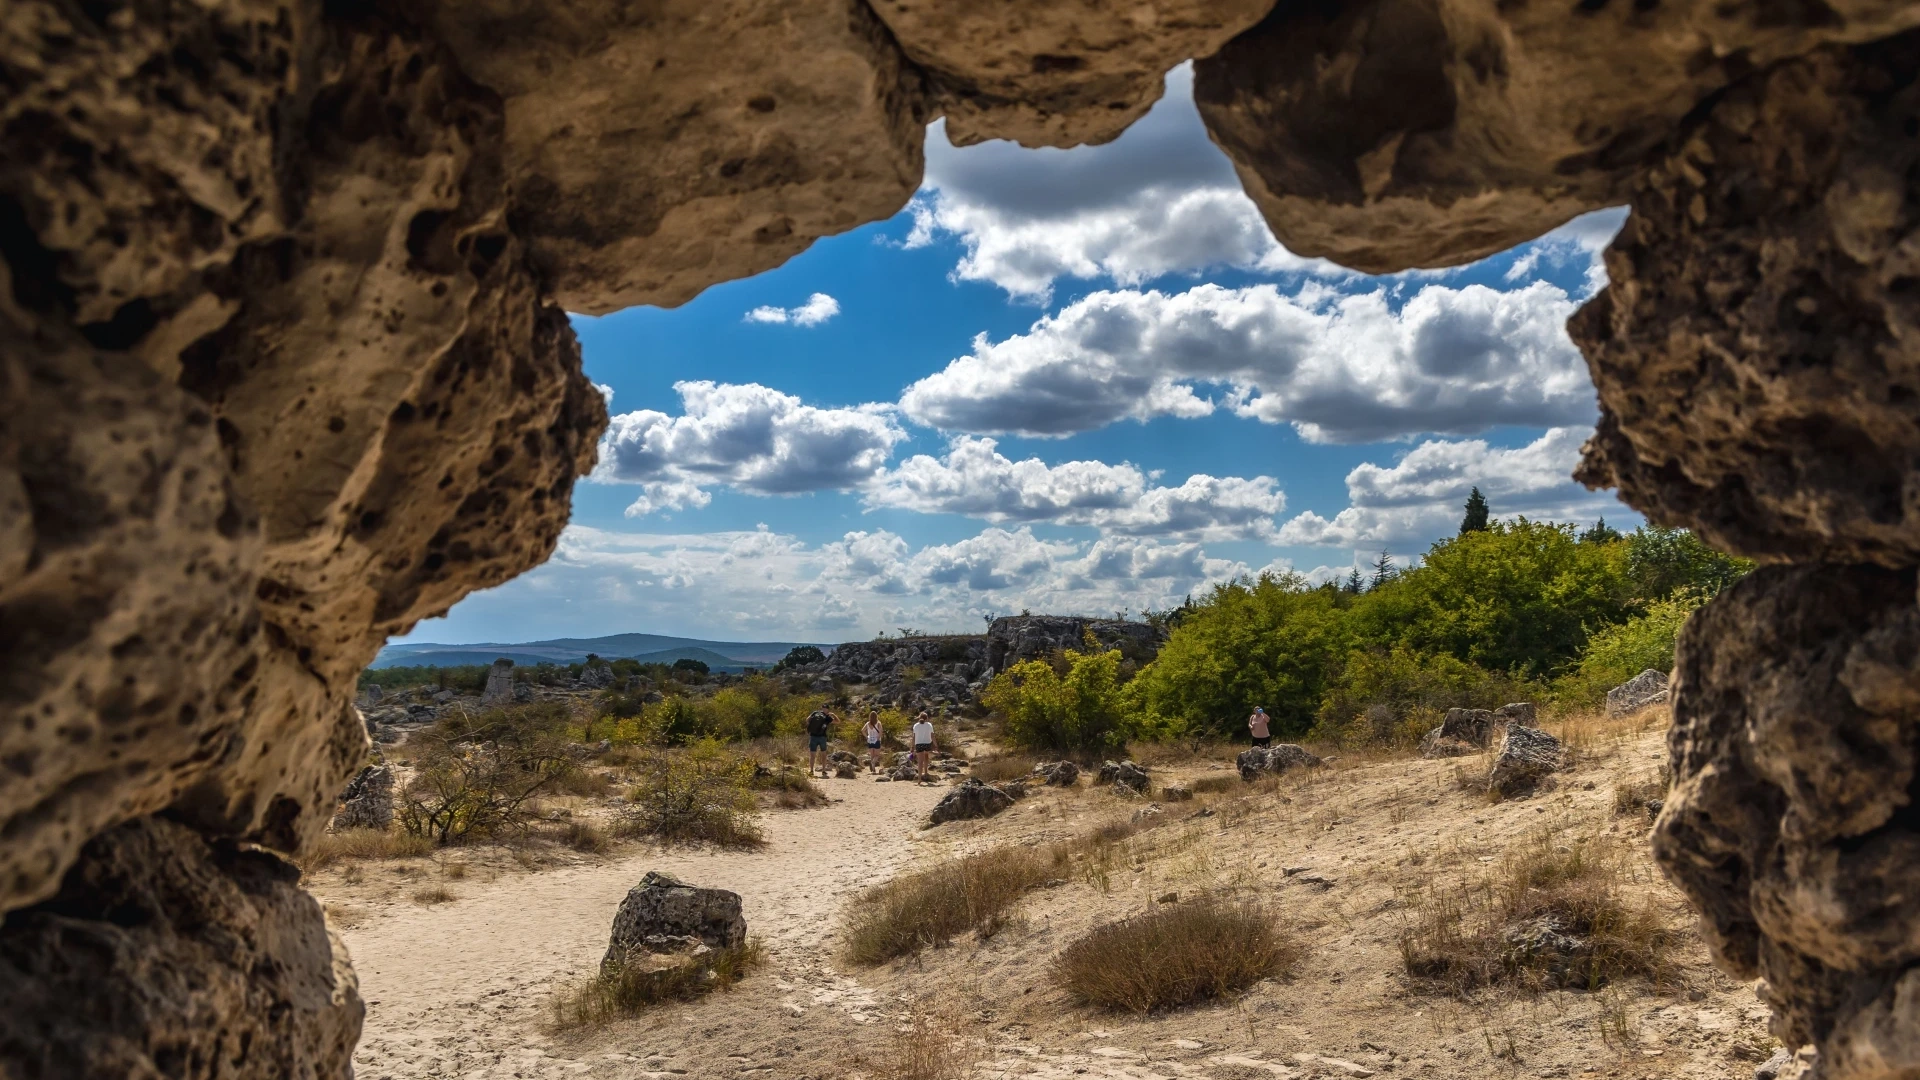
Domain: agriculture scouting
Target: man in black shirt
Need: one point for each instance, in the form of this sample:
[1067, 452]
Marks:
[819, 722]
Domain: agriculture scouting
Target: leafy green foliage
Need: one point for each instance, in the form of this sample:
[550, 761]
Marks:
[1475, 518]
[1044, 709]
[799, 656]
[1662, 561]
[1618, 653]
[469, 677]
[701, 793]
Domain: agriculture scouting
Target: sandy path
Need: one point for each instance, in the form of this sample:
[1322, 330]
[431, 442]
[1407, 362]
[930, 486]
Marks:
[459, 989]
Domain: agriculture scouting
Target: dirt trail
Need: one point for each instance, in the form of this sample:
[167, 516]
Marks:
[459, 989]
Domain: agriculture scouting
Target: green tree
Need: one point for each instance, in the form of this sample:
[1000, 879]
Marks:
[1601, 533]
[1662, 561]
[1042, 709]
[1476, 516]
[1617, 653]
[800, 655]
[1383, 571]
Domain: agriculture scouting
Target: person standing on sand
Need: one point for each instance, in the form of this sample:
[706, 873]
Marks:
[819, 723]
[875, 734]
[923, 744]
[1257, 724]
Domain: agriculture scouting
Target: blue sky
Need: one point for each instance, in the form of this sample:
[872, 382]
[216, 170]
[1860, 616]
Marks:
[1084, 380]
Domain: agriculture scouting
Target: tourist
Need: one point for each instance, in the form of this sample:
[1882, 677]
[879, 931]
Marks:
[819, 722]
[875, 734]
[1257, 724]
[923, 744]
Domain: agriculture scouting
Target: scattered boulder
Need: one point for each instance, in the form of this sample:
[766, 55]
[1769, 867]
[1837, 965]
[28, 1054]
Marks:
[499, 689]
[1438, 744]
[597, 676]
[1275, 759]
[368, 801]
[1176, 793]
[847, 756]
[1016, 788]
[908, 771]
[444, 697]
[1058, 773]
[1645, 689]
[1525, 756]
[663, 914]
[371, 694]
[1125, 774]
[1519, 712]
[972, 799]
[845, 770]
[1469, 725]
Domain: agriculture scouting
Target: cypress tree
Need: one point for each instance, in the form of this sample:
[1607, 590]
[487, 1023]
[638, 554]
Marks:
[1476, 518]
[1382, 570]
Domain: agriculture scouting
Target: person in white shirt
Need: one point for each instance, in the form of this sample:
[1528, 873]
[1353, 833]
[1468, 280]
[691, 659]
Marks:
[923, 744]
[875, 736]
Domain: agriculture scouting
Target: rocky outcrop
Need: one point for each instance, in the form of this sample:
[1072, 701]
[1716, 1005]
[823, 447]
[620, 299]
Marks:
[1643, 690]
[1125, 777]
[1057, 773]
[1014, 638]
[368, 801]
[1274, 760]
[162, 954]
[909, 673]
[1055, 74]
[1524, 757]
[499, 688]
[972, 799]
[664, 915]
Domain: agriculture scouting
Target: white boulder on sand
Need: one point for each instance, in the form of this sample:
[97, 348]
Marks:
[1647, 688]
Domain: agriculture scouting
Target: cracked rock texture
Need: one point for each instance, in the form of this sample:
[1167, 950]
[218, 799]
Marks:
[166, 955]
[1791, 823]
[1055, 74]
[1758, 351]
[1388, 134]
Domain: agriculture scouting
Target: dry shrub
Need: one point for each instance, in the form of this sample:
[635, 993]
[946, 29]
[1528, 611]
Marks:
[346, 844]
[631, 988]
[1552, 915]
[1636, 795]
[1215, 785]
[585, 836]
[1002, 767]
[590, 783]
[1175, 955]
[700, 793]
[482, 775]
[931, 906]
[434, 894]
[925, 1047]
[792, 789]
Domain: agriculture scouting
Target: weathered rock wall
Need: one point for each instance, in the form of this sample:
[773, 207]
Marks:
[284, 368]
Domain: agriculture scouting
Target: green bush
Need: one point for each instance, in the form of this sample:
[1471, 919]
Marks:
[481, 775]
[1042, 709]
[701, 793]
[471, 678]
[1618, 653]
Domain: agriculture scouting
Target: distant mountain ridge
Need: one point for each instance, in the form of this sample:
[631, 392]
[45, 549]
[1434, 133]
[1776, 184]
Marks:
[647, 648]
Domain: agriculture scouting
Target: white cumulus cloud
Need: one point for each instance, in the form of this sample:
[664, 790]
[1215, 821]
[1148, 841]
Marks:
[973, 478]
[1339, 367]
[818, 309]
[1419, 498]
[747, 437]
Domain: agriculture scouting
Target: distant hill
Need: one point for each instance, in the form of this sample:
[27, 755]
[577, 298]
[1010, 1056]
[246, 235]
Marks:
[647, 648]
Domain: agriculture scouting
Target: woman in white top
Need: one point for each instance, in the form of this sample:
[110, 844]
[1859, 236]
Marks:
[923, 744]
[875, 735]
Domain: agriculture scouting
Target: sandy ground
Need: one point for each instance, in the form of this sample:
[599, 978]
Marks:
[459, 989]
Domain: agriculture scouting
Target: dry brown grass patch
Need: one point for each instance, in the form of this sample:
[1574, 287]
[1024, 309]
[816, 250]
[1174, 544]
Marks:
[1002, 767]
[628, 989]
[434, 894]
[351, 844]
[1175, 955]
[1215, 785]
[1555, 913]
[932, 906]
[584, 836]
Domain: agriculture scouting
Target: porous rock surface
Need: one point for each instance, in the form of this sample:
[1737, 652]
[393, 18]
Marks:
[285, 366]
[972, 799]
[165, 955]
[1274, 760]
[663, 914]
[1523, 757]
[1645, 689]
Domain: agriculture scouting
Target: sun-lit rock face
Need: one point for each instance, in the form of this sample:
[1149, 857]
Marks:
[1055, 74]
[1390, 134]
[285, 367]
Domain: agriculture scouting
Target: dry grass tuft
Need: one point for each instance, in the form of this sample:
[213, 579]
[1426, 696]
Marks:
[792, 788]
[585, 836]
[932, 906]
[1554, 914]
[434, 894]
[1002, 767]
[349, 844]
[629, 989]
[1215, 785]
[1175, 956]
[1636, 796]
[925, 1047]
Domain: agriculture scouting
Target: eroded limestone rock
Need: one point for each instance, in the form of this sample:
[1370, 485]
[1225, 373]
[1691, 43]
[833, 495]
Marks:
[1055, 74]
[1389, 134]
[1790, 822]
[663, 914]
[165, 955]
[972, 799]
[1756, 351]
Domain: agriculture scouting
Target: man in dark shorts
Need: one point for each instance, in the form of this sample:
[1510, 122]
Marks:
[1257, 724]
[819, 723]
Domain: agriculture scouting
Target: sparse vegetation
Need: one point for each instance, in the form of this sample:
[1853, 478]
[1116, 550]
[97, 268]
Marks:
[430, 895]
[1555, 914]
[480, 775]
[346, 844]
[1175, 955]
[931, 907]
[703, 793]
[631, 988]
[1002, 767]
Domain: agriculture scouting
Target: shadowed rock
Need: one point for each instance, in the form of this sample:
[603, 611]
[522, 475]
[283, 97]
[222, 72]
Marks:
[1645, 689]
[368, 801]
[972, 799]
[1523, 758]
[1274, 760]
[1124, 774]
[662, 914]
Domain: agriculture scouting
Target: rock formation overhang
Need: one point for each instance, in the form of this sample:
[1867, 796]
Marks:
[284, 368]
